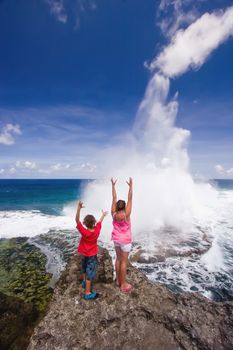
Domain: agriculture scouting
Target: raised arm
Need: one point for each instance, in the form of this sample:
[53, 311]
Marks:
[130, 197]
[104, 213]
[114, 196]
[79, 207]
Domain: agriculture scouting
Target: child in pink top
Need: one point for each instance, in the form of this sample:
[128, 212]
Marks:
[121, 234]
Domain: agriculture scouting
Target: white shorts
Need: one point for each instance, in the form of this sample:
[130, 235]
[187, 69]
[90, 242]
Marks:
[124, 247]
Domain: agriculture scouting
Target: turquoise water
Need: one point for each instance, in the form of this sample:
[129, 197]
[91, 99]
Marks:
[47, 196]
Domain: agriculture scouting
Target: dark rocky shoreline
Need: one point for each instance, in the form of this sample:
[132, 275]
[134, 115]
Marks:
[17, 321]
[150, 317]
[24, 291]
[22, 272]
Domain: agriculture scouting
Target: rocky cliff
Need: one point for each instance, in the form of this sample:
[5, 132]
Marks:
[150, 317]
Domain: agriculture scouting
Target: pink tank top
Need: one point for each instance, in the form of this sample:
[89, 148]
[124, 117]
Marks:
[121, 232]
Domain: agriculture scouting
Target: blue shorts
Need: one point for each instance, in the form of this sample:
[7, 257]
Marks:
[89, 266]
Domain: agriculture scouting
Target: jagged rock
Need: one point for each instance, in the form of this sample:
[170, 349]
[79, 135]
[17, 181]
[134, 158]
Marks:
[149, 317]
[17, 320]
[135, 256]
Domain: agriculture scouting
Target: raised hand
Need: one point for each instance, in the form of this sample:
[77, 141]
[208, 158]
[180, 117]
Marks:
[104, 213]
[130, 182]
[113, 181]
[80, 205]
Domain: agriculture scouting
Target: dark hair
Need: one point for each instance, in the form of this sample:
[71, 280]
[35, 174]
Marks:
[120, 205]
[89, 221]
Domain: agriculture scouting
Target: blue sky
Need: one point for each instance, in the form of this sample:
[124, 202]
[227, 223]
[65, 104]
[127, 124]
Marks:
[73, 73]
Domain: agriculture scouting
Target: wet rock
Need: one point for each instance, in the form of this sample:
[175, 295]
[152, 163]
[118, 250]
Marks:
[22, 272]
[187, 252]
[64, 241]
[149, 317]
[151, 259]
[141, 258]
[134, 257]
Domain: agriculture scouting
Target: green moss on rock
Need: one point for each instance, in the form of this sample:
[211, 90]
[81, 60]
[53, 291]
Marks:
[22, 272]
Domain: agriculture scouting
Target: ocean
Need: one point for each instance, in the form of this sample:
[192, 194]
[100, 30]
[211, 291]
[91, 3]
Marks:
[46, 196]
[197, 263]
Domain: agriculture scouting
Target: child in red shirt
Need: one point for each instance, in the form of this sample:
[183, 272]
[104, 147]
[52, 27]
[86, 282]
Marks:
[88, 248]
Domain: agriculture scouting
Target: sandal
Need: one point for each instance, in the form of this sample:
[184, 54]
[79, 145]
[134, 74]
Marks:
[126, 289]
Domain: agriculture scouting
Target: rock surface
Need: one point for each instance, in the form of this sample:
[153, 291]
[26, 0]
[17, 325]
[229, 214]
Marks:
[22, 272]
[149, 317]
[17, 320]
[24, 291]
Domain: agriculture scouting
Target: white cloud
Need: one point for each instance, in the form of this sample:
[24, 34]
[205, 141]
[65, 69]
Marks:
[2, 171]
[59, 167]
[26, 165]
[222, 171]
[191, 47]
[58, 10]
[44, 171]
[219, 169]
[6, 135]
[88, 167]
[176, 4]
[83, 6]
[79, 7]
[175, 13]
[230, 171]
[84, 169]
[12, 171]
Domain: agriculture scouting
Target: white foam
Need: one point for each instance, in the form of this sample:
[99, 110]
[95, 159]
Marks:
[31, 223]
[214, 259]
[155, 155]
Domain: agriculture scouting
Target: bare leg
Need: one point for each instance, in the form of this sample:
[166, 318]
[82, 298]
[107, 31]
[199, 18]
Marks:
[117, 265]
[123, 269]
[88, 287]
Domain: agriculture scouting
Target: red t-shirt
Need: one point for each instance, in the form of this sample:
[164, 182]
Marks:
[88, 243]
